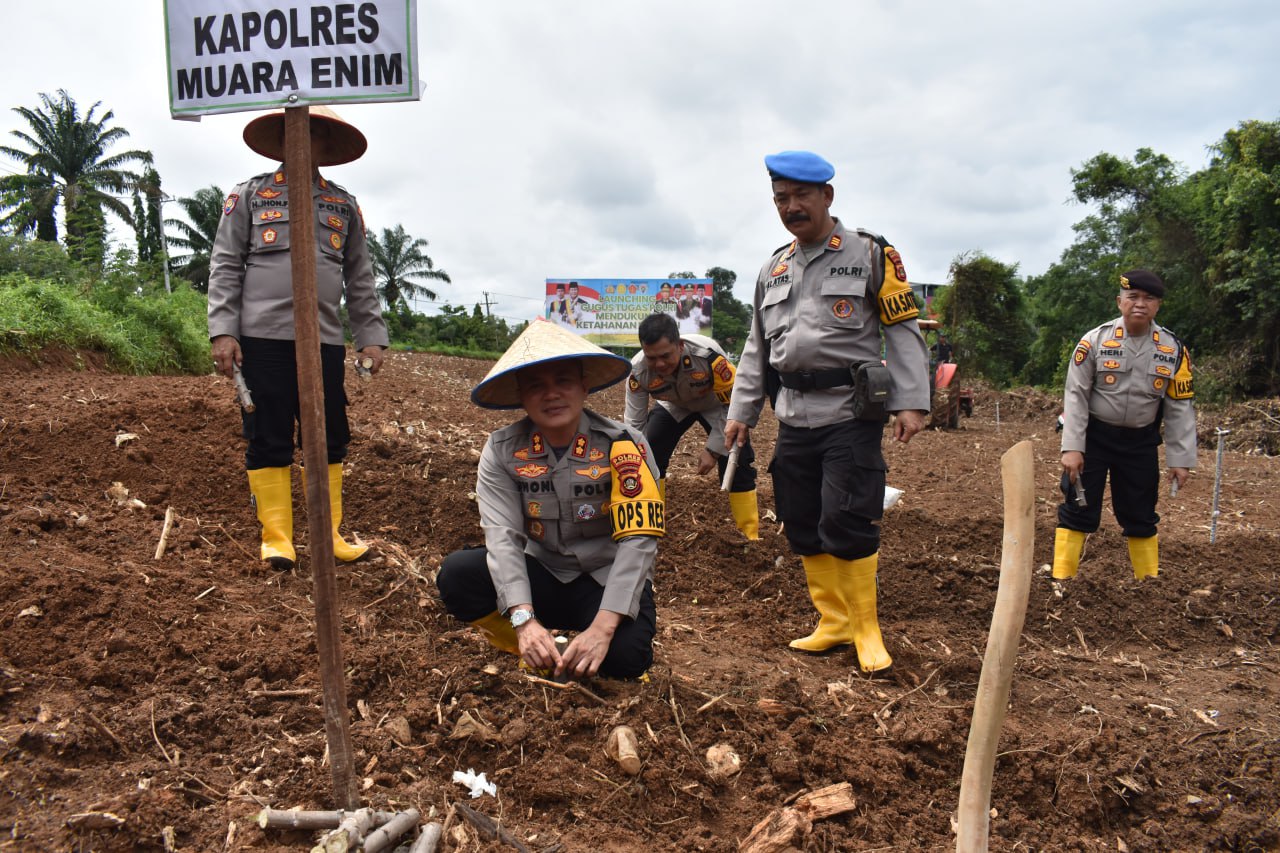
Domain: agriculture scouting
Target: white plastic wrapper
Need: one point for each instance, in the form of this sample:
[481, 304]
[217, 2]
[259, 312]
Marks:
[476, 782]
[891, 496]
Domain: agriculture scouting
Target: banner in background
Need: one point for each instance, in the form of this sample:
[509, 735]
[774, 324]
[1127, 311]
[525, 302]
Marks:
[230, 55]
[607, 311]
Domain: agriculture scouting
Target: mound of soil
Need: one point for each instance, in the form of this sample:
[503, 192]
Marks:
[182, 694]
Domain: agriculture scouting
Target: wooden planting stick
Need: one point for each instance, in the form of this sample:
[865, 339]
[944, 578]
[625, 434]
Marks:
[355, 825]
[386, 835]
[299, 819]
[428, 840]
[1018, 475]
[164, 532]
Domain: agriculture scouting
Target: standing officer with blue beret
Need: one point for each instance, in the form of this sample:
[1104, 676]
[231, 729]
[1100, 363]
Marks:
[1125, 378]
[823, 304]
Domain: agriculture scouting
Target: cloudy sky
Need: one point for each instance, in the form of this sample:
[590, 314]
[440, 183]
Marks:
[625, 139]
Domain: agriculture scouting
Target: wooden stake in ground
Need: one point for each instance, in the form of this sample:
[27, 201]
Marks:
[1017, 472]
[306, 323]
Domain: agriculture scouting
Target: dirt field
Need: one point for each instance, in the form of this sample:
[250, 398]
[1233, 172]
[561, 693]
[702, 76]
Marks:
[182, 694]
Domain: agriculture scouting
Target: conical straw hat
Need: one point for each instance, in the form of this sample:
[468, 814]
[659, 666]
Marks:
[542, 341]
[339, 142]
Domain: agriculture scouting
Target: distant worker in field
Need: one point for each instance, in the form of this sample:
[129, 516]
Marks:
[942, 350]
[1125, 378]
[691, 379]
[822, 305]
[571, 513]
[251, 314]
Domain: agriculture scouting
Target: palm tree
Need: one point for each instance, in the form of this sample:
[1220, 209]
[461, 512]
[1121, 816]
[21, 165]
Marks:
[396, 256]
[204, 210]
[68, 161]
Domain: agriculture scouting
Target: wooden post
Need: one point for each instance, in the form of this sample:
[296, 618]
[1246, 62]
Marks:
[306, 324]
[1017, 471]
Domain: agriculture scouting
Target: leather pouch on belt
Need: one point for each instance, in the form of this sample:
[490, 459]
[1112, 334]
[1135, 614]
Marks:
[871, 385]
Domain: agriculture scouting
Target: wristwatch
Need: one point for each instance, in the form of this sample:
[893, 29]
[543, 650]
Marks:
[521, 616]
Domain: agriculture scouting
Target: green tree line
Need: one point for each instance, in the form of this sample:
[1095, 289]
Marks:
[1212, 235]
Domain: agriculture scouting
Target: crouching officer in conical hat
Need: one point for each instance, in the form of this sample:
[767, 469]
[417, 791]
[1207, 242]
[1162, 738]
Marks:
[691, 380]
[251, 314]
[1126, 378]
[822, 305]
[571, 514]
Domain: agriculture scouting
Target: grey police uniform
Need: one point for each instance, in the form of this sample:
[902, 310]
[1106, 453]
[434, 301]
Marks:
[818, 311]
[251, 299]
[544, 514]
[1119, 389]
[699, 390]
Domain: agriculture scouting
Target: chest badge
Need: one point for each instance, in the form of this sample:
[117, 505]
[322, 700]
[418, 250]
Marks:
[267, 192]
[531, 470]
[270, 236]
[842, 309]
[270, 215]
[335, 240]
[534, 509]
[586, 512]
[1111, 364]
[595, 472]
[1109, 379]
[781, 268]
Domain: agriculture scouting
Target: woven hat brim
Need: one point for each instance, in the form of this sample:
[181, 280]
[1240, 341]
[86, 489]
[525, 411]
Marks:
[541, 342]
[345, 143]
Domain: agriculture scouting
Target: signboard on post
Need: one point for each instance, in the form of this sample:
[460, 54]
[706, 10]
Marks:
[607, 311]
[230, 55]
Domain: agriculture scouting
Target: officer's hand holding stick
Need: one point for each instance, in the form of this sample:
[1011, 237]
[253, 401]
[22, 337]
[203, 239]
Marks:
[730, 468]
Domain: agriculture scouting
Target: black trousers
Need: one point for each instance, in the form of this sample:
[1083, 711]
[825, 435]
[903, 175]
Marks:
[828, 487]
[664, 433]
[467, 590]
[1132, 459]
[273, 429]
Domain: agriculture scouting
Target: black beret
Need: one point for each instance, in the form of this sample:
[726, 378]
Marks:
[1144, 280]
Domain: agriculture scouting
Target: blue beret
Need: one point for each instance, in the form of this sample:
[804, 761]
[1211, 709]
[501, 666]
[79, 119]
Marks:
[803, 166]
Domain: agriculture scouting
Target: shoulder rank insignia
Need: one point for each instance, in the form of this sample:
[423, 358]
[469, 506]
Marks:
[633, 384]
[536, 444]
[579, 446]
[1118, 334]
[280, 179]
[834, 242]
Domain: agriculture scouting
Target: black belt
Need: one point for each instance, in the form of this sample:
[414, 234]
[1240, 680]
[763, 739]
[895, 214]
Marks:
[817, 380]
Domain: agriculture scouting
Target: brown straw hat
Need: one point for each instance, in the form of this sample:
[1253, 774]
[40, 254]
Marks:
[543, 341]
[339, 142]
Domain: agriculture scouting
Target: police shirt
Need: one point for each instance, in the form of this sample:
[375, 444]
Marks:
[557, 510]
[824, 307]
[250, 276]
[701, 384]
[1122, 379]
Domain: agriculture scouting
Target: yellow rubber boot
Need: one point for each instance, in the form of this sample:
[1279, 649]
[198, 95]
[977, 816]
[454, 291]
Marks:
[860, 592]
[746, 513]
[498, 631]
[343, 550]
[272, 491]
[1067, 547]
[1144, 553]
[825, 589]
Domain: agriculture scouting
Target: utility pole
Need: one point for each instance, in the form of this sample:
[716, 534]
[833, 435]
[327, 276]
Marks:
[488, 313]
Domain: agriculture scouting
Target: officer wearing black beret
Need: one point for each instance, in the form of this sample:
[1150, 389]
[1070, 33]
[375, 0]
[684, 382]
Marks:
[823, 303]
[1126, 378]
